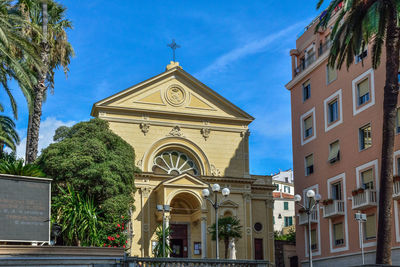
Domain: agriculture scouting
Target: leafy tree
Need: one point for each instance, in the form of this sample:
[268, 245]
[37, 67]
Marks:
[8, 135]
[228, 227]
[158, 249]
[98, 164]
[55, 52]
[78, 218]
[18, 168]
[290, 236]
[359, 23]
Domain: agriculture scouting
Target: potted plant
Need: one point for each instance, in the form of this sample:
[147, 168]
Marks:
[354, 192]
[396, 178]
[327, 201]
[360, 190]
[302, 210]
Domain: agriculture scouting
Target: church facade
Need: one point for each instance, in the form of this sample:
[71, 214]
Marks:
[186, 138]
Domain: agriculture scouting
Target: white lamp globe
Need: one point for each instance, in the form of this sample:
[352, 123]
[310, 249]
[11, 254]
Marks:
[226, 192]
[318, 197]
[205, 192]
[310, 193]
[297, 198]
[216, 187]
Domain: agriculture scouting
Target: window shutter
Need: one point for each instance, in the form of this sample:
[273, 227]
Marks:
[309, 160]
[332, 74]
[363, 88]
[338, 230]
[367, 176]
[370, 226]
[398, 117]
[308, 123]
[313, 237]
[334, 150]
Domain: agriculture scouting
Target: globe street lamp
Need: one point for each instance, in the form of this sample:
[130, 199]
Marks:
[163, 209]
[309, 208]
[206, 194]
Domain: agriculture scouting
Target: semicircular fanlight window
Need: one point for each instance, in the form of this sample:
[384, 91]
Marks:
[174, 162]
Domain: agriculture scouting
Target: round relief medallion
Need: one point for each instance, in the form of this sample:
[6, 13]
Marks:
[175, 95]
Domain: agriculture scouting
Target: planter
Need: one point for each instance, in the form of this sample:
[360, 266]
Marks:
[327, 202]
[360, 190]
[354, 192]
[302, 210]
[396, 178]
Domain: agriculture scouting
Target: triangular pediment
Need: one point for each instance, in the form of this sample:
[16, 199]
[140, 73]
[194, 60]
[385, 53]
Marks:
[185, 180]
[229, 204]
[172, 92]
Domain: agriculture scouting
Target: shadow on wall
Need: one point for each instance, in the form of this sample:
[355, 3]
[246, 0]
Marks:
[239, 163]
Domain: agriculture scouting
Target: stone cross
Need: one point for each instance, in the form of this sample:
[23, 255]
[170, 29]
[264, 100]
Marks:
[173, 46]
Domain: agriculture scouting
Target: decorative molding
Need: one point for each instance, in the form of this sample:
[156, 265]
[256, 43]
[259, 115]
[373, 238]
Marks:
[144, 126]
[215, 171]
[245, 133]
[139, 163]
[146, 227]
[146, 191]
[176, 131]
[175, 95]
[205, 132]
[248, 230]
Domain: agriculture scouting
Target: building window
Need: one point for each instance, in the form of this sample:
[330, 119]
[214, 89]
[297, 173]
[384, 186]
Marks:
[309, 164]
[370, 227]
[331, 74]
[308, 127]
[337, 191]
[286, 205]
[338, 233]
[286, 180]
[398, 165]
[273, 219]
[333, 114]
[174, 162]
[314, 239]
[277, 187]
[367, 179]
[286, 189]
[365, 137]
[398, 121]
[258, 227]
[288, 221]
[360, 57]
[334, 152]
[363, 92]
[306, 90]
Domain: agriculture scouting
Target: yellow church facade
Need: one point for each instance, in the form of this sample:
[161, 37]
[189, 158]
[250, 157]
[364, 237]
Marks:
[186, 138]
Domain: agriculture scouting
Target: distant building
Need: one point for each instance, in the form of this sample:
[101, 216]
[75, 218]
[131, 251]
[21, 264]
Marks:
[284, 207]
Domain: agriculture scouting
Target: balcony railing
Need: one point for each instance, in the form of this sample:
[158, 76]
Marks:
[311, 58]
[364, 200]
[334, 209]
[303, 219]
[182, 262]
[396, 190]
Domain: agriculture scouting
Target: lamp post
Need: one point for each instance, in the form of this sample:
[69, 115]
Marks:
[163, 209]
[361, 218]
[309, 208]
[206, 194]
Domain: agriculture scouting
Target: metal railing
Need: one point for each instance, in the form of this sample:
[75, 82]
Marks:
[334, 209]
[303, 217]
[311, 58]
[183, 262]
[364, 199]
[396, 190]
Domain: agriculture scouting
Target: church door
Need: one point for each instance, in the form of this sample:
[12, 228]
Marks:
[258, 249]
[179, 240]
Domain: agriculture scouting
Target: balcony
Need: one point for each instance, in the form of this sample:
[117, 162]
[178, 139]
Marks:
[334, 209]
[303, 220]
[364, 199]
[396, 190]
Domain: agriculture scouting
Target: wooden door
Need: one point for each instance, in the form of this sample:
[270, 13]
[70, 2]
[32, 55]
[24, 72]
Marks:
[258, 249]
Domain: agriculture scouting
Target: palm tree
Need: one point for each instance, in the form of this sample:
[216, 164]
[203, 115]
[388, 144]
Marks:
[158, 249]
[359, 23]
[55, 52]
[228, 227]
[8, 135]
[16, 54]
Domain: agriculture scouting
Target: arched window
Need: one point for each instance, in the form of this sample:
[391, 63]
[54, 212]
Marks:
[174, 162]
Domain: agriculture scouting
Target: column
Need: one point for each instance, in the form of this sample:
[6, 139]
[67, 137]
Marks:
[166, 218]
[204, 237]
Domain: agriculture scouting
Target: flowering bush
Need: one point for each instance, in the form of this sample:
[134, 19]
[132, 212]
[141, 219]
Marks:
[117, 236]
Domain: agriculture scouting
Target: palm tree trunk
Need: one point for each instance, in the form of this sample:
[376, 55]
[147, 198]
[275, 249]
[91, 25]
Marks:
[28, 135]
[226, 241]
[391, 91]
[40, 88]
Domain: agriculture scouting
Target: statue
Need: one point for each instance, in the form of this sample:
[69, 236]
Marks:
[232, 249]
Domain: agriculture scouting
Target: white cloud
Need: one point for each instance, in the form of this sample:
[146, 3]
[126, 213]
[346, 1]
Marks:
[249, 48]
[47, 129]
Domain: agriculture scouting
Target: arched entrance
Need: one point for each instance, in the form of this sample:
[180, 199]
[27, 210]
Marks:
[185, 215]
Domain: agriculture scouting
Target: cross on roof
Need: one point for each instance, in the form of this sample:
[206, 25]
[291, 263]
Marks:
[173, 46]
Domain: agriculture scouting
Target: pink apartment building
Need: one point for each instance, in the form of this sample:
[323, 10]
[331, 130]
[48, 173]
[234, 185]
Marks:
[337, 132]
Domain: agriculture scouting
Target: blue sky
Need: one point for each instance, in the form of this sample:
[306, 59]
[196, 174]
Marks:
[238, 48]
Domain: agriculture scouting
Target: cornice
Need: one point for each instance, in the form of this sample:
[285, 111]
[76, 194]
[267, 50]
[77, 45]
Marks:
[169, 124]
